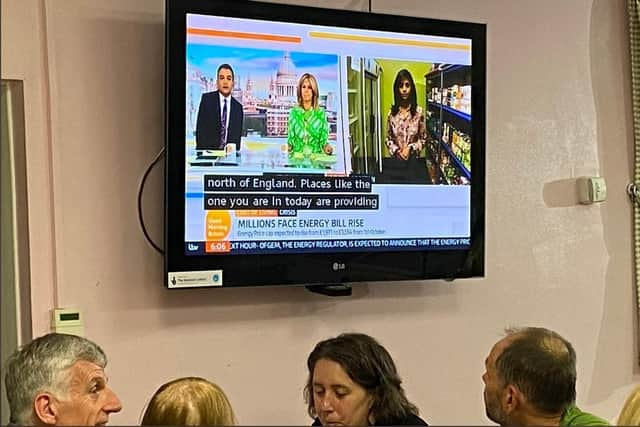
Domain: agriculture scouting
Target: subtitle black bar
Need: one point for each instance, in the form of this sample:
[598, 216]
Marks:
[240, 201]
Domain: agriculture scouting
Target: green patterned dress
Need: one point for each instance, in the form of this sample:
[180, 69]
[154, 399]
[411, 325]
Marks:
[307, 127]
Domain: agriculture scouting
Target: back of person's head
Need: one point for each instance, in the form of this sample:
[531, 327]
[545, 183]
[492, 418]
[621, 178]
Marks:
[368, 364]
[43, 365]
[189, 401]
[630, 413]
[542, 365]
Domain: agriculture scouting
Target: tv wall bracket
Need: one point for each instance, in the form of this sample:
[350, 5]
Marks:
[333, 290]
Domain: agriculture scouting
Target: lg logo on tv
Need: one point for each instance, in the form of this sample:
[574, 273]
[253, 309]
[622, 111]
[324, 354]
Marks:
[338, 266]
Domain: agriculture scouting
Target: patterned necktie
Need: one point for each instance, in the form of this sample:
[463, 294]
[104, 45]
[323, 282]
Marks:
[223, 125]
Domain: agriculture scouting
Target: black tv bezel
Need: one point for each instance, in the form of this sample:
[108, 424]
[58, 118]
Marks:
[316, 268]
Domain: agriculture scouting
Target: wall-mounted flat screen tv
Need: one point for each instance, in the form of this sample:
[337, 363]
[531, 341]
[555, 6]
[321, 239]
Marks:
[316, 146]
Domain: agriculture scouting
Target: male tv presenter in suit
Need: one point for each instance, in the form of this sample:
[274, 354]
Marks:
[219, 116]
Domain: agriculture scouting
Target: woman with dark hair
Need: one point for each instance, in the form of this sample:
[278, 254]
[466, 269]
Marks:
[406, 130]
[353, 381]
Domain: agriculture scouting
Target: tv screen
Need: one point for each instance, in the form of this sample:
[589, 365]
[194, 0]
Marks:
[316, 146]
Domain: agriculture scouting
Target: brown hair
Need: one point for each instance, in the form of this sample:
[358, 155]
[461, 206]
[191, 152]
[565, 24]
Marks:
[189, 401]
[370, 365]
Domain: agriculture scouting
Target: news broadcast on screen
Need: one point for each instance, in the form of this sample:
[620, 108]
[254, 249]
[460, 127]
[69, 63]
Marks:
[360, 166]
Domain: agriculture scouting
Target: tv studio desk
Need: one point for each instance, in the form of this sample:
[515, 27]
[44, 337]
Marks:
[251, 163]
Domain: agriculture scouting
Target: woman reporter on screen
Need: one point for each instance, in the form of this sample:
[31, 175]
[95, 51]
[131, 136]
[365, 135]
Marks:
[353, 381]
[189, 401]
[406, 129]
[308, 128]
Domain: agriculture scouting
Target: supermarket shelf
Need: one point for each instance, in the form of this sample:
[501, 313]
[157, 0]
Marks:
[456, 160]
[453, 111]
[445, 69]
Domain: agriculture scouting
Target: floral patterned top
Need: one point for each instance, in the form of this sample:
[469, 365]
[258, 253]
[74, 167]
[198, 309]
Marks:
[404, 130]
[307, 127]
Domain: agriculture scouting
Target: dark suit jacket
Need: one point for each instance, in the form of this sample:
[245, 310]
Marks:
[209, 122]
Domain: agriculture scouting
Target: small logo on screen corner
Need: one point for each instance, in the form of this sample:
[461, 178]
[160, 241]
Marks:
[193, 279]
[193, 247]
[338, 266]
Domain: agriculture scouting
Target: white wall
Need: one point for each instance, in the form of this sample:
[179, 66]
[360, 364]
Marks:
[558, 106]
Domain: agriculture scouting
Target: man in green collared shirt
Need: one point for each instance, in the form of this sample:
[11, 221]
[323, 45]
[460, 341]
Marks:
[530, 380]
[573, 416]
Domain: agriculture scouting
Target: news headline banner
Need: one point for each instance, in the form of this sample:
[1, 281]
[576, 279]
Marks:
[277, 192]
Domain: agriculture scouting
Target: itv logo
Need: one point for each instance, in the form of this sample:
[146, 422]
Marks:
[193, 247]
